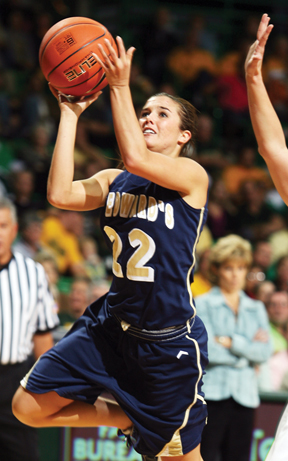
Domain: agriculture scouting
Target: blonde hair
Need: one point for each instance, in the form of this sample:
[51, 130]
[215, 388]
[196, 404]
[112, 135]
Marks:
[231, 247]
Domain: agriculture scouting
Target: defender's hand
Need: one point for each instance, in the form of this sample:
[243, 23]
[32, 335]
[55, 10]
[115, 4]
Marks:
[255, 54]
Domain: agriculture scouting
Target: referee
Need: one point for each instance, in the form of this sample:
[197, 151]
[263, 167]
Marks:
[27, 316]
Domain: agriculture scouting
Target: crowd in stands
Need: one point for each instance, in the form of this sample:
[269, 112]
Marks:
[192, 63]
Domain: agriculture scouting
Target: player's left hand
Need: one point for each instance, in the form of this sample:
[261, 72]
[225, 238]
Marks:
[117, 68]
[255, 54]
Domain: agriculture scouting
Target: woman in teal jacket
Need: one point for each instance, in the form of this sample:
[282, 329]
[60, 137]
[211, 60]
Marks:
[238, 341]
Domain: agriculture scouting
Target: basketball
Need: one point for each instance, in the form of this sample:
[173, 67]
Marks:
[66, 56]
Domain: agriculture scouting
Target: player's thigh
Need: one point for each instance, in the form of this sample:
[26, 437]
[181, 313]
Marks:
[193, 455]
[28, 403]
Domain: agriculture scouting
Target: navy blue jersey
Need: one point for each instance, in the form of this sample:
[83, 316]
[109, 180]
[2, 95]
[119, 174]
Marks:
[155, 375]
[153, 233]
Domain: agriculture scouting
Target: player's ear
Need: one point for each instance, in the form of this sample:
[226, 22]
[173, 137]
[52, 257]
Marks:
[184, 137]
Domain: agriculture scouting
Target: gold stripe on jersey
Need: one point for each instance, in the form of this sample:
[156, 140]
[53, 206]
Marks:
[194, 259]
[174, 447]
[24, 381]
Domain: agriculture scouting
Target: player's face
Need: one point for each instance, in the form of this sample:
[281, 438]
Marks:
[160, 124]
[232, 275]
[8, 232]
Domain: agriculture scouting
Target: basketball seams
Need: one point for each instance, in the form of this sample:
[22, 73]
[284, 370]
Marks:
[62, 30]
[59, 31]
[84, 81]
[65, 37]
[97, 84]
[75, 52]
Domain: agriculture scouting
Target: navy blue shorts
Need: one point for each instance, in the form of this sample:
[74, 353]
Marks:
[155, 378]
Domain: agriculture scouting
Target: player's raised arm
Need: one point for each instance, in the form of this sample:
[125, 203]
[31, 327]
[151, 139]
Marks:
[62, 191]
[266, 124]
[151, 147]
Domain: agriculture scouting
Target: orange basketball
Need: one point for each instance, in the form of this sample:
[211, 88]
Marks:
[66, 56]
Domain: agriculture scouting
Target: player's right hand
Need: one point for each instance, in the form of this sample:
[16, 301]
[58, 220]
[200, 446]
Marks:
[117, 67]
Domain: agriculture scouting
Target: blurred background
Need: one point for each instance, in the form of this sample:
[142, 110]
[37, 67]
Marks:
[195, 50]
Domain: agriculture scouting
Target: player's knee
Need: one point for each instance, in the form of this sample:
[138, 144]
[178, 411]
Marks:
[22, 408]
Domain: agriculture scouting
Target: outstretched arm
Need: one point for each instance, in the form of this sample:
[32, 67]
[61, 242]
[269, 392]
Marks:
[266, 124]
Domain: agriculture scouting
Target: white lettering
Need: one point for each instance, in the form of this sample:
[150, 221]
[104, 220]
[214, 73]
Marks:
[117, 204]
[152, 209]
[93, 455]
[109, 204]
[169, 216]
[128, 205]
[79, 449]
[142, 207]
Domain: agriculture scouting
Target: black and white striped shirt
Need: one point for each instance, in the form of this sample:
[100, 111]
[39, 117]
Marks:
[26, 307]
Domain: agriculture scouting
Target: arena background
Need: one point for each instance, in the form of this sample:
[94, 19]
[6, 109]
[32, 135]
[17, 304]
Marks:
[225, 19]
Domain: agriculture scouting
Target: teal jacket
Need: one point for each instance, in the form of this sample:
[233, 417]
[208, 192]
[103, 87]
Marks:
[233, 372]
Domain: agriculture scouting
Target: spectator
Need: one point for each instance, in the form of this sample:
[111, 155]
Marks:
[79, 298]
[49, 263]
[254, 219]
[279, 242]
[87, 154]
[281, 275]
[28, 242]
[277, 308]
[43, 21]
[244, 169]
[276, 61]
[93, 263]
[157, 38]
[23, 192]
[275, 73]
[263, 291]
[194, 69]
[205, 241]
[208, 151]
[141, 86]
[36, 156]
[255, 275]
[37, 109]
[262, 255]
[201, 283]
[27, 313]
[61, 232]
[98, 124]
[221, 210]
[21, 51]
[207, 39]
[232, 95]
[238, 339]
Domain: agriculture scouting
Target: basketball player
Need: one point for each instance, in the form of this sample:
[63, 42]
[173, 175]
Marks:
[272, 147]
[143, 341]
